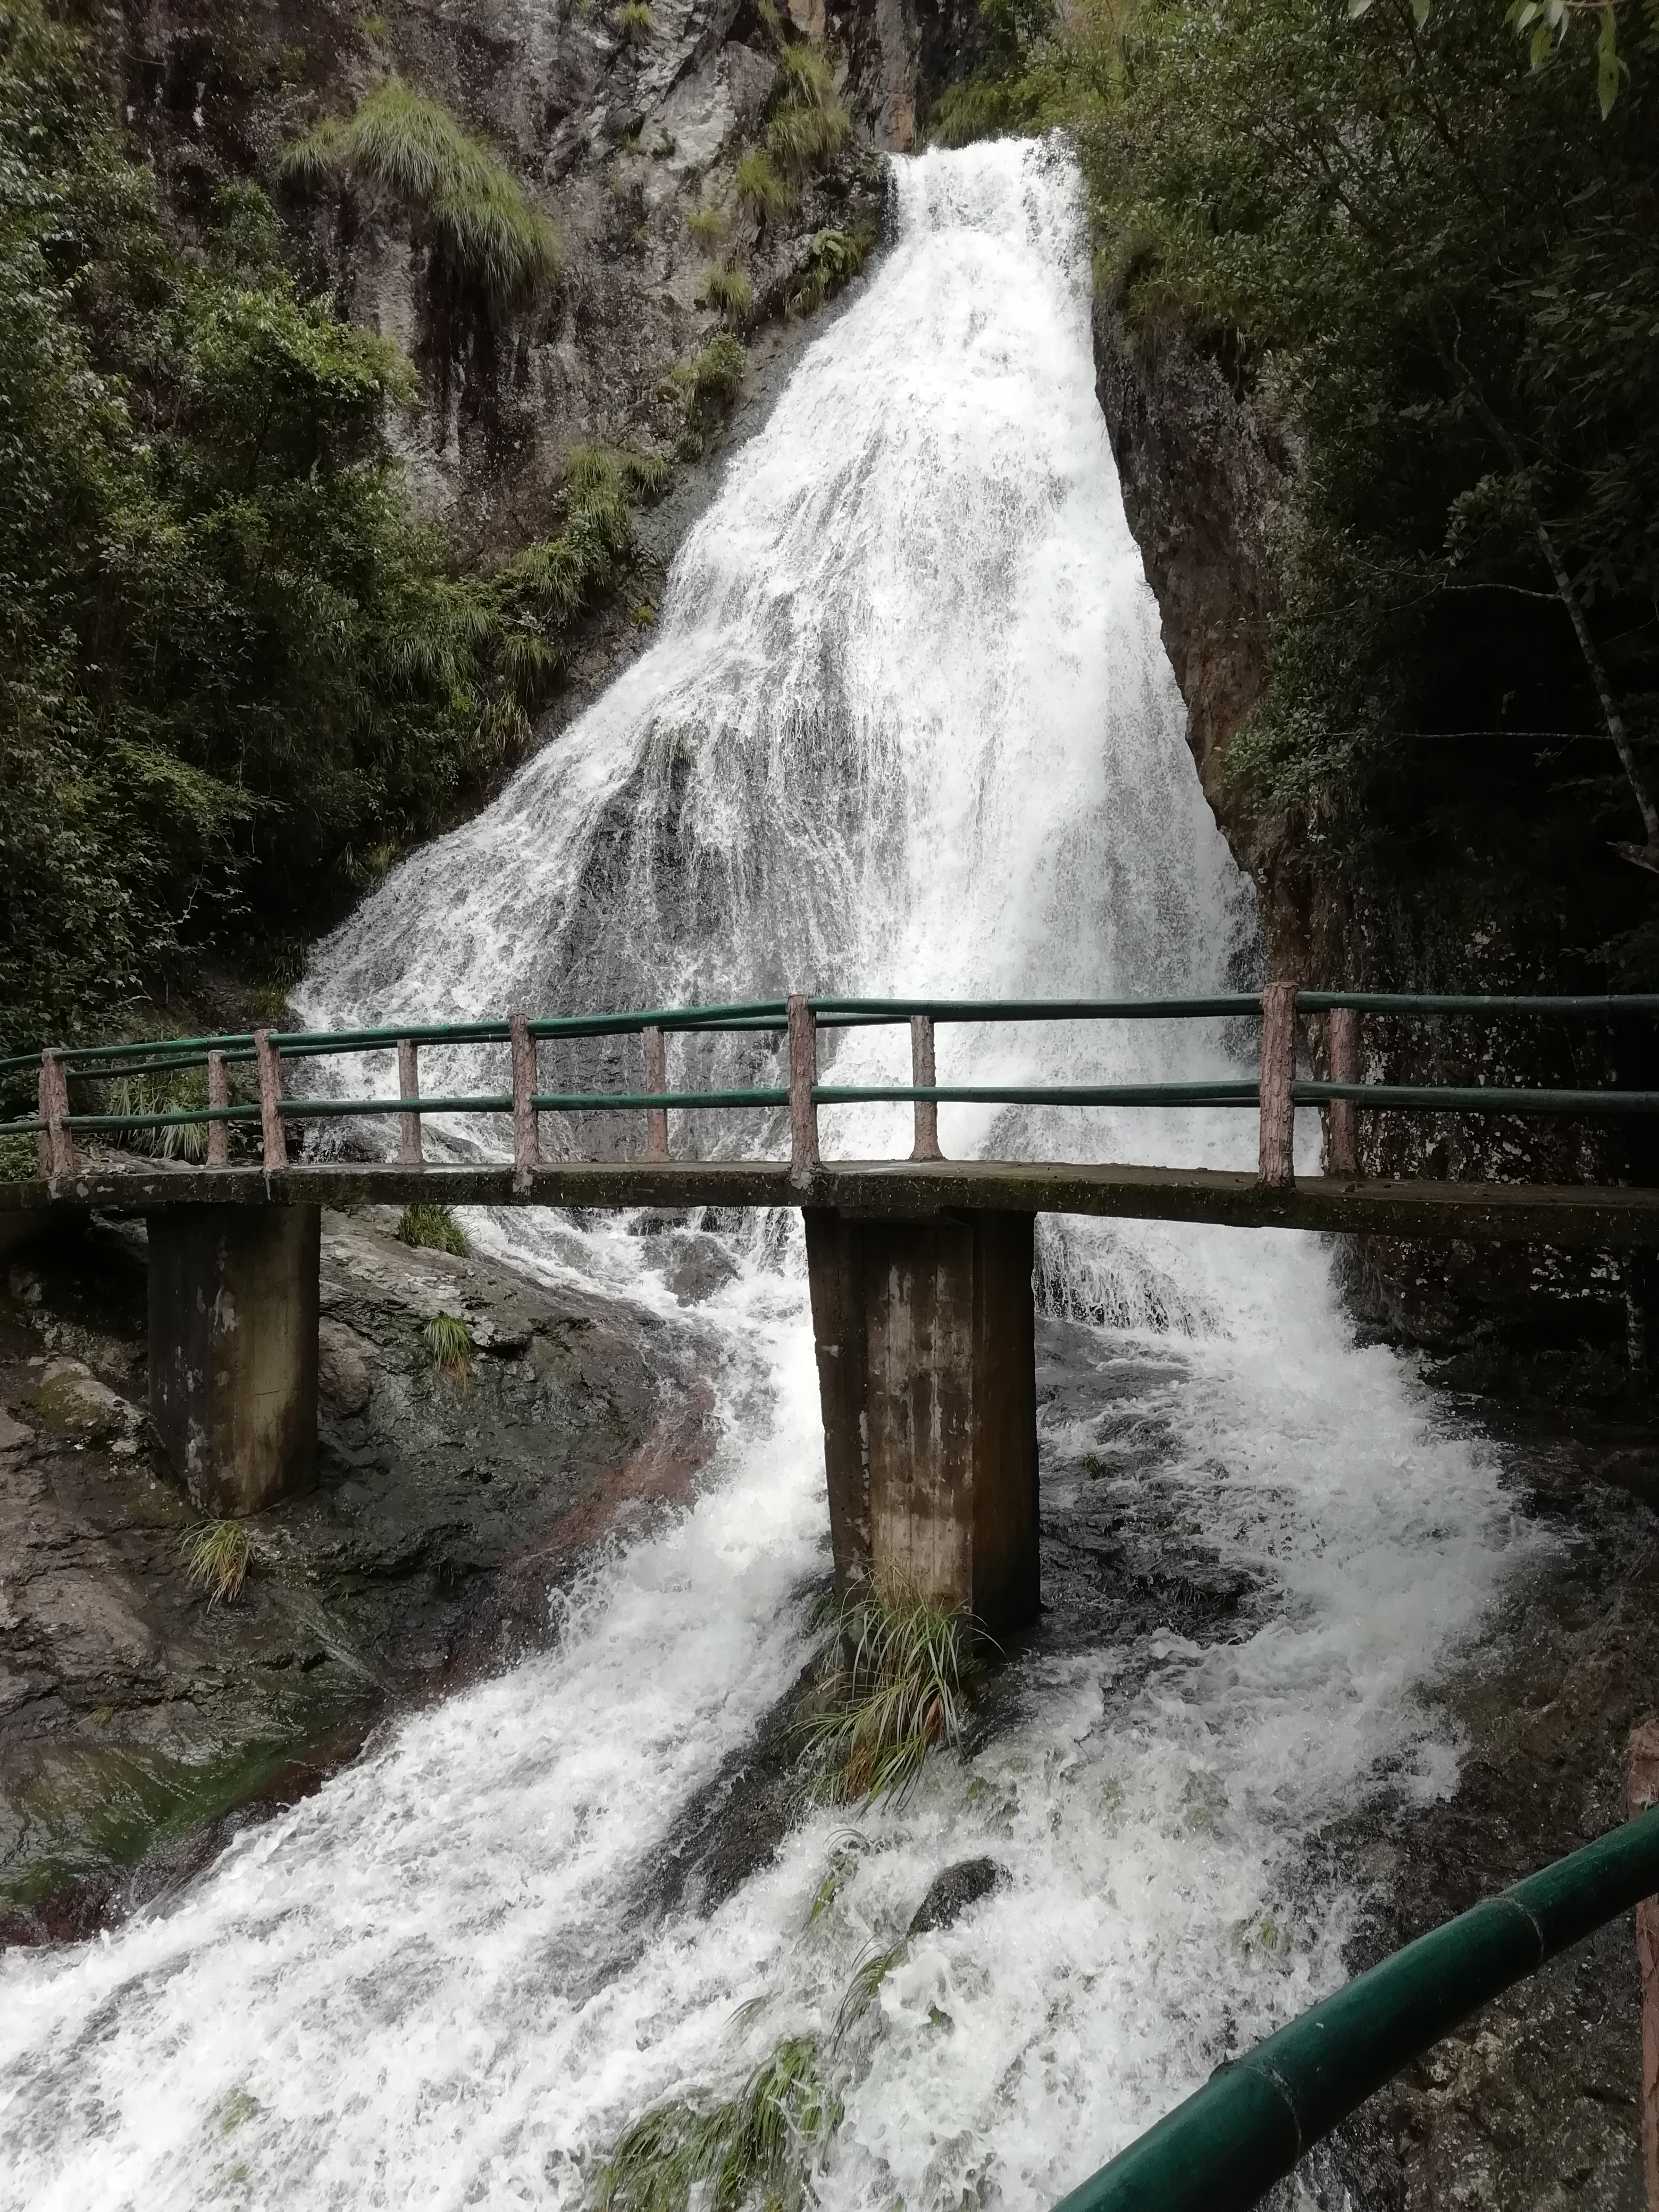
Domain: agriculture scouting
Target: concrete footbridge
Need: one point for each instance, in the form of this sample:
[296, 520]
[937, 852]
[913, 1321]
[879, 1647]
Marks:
[920, 1268]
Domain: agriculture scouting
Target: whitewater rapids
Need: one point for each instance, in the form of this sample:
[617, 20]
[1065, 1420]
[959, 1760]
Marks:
[906, 726]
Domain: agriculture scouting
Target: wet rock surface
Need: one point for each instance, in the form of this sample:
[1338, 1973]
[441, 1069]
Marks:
[951, 1891]
[138, 1722]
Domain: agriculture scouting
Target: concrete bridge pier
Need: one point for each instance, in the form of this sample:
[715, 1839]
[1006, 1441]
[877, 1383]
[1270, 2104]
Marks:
[233, 1350]
[927, 1373]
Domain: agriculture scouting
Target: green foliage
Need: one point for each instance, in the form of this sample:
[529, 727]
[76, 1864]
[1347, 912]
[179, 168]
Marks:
[706, 225]
[729, 290]
[709, 383]
[433, 1227]
[167, 1093]
[1014, 84]
[411, 150]
[1434, 272]
[809, 126]
[896, 1686]
[216, 1558]
[634, 21]
[759, 2147]
[236, 678]
[835, 257]
[759, 187]
[448, 1347]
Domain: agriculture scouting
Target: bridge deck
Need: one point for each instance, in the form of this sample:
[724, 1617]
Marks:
[1596, 1215]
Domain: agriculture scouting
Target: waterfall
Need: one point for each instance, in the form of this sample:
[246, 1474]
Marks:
[906, 726]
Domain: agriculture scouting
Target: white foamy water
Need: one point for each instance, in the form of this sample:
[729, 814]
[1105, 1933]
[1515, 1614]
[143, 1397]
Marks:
[906, 726]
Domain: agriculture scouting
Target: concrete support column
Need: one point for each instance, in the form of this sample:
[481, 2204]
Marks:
[233, 1350]
[926, 1375]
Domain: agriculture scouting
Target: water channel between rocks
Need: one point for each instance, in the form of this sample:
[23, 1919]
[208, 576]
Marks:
[906, 726]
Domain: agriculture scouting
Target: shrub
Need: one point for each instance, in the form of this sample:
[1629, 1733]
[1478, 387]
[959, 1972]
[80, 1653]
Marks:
[216, 1558]
[835, 256]
[759, 187]
[731, 291]
[433, 1228]
[894, 1686]
[448, 1347]
[412, 149]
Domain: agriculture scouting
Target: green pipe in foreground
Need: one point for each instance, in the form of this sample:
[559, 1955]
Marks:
[1254, 2118]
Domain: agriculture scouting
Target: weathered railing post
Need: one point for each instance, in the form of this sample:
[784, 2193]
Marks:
[271, 1099]
[218, 1141]
[926, 1146]
[1276, 1156]
[802, 1074]
[409, 1086]
[1644, 1792]
[55, 1145]
[1342, 1116]
[526, 1147]
[656, 1080]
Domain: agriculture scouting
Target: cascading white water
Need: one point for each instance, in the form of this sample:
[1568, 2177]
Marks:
[906, 726]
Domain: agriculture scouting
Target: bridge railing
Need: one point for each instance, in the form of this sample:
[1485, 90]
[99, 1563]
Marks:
[1274, 1092]
[1255, 2118]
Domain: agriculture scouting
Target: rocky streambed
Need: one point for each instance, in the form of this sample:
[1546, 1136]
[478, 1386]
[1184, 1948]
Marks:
[140, 1723]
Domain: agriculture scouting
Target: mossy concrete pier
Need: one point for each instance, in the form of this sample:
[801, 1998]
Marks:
[927, 1380]
[233, 1350]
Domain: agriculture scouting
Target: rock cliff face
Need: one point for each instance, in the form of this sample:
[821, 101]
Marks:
[619, 123]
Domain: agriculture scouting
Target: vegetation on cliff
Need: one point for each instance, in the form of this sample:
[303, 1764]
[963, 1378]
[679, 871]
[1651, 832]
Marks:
[235, 677]
[1419, 245]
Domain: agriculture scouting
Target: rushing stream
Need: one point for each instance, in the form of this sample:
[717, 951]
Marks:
[906, 726]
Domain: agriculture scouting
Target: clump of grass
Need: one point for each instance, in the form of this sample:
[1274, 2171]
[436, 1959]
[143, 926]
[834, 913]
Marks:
[731, 291]
[706, 225]
[709, 383]
[761, 2144]
[432, 1228]
[810, 126]
[170, 1092]
[635, 20]
[448, 1347]
[412, 149]
[896, 1686]
[216, 1558]
[835, 256]
[759, 187]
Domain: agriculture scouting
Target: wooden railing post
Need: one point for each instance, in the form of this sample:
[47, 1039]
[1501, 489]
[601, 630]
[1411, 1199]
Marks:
[926, 1146]
[656, 1080]
[270, 1100]
[56, 1146]
[1644, 1792]
[526, 1147]
[409, 1086]
[803, 1074]
[218, 1143]
[1342, 1116]
[1277, 1162]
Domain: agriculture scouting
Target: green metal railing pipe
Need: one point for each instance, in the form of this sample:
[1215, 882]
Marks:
[1255, 2118]
[1478, 1098]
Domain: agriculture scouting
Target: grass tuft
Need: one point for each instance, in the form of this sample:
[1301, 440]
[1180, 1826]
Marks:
[170, 1092]
[759, 187]
[706, 225]
[412, 149]
[635, 20]
[216, 1558]
[896, 1686]
[433, 1228]
[731, 291]
[802, 139]
[763, 2143]
[448, 1347]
